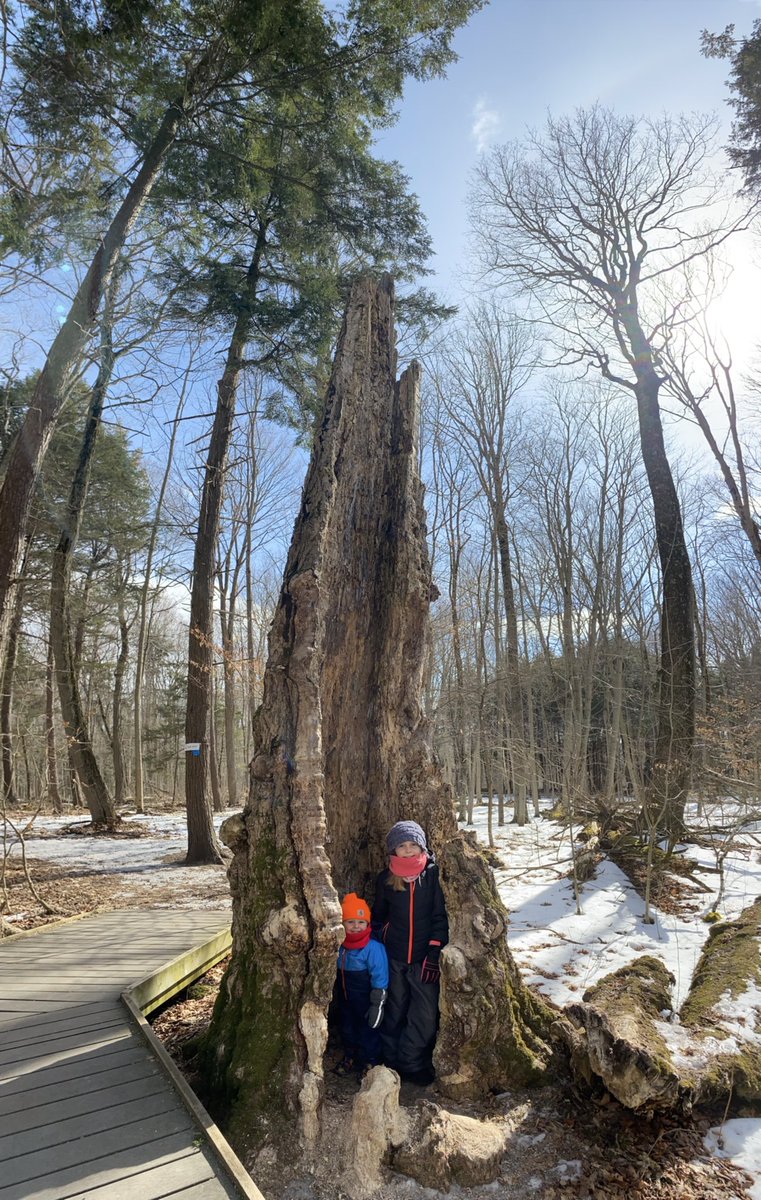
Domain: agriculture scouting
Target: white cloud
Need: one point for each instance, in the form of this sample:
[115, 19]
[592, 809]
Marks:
[486, 125]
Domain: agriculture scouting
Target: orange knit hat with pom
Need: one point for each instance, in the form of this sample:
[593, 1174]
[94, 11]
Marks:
[354, 908]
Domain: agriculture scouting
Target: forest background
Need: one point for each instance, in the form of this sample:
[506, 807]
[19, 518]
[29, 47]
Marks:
[218, 322]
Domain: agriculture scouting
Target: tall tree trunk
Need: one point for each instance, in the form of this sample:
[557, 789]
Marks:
[670, 778]
[51, 755]
[203, 846]
[65, 355]
[227, 625]
[6, 686]
[117, 739]
[531, 743]
[342, 751]
[513, 673]
[615, 700]
[81, 754]
[216, 790]
[251, 671]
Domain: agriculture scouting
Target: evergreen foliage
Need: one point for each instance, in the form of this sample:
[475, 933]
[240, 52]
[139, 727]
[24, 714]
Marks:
[745, 84]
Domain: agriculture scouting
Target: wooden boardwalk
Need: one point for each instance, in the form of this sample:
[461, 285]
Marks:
[85, 1108]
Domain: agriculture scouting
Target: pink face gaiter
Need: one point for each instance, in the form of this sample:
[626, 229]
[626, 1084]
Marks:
[408, 868]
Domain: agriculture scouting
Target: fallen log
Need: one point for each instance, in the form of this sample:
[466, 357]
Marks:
[613, 1036]
[720, 1020]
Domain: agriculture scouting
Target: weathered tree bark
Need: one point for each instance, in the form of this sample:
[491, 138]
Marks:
[341, 751]
[613, 1036]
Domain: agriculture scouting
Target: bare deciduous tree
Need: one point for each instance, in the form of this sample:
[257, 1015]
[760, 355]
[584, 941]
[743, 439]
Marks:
[480, 375]
[592, 221]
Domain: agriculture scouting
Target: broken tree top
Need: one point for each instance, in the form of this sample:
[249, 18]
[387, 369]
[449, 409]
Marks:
[348, 645]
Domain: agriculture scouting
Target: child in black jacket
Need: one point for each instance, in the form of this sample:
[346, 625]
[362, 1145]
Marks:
[410, 918]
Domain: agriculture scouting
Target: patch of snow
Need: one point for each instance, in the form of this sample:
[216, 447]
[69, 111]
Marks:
[742, 1011]
[562, 952]
[740, 1141]
[691, 1054]
[144, 864]
[570, 1169]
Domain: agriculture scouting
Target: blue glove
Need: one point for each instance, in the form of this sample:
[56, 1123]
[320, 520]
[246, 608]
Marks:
[430, 971]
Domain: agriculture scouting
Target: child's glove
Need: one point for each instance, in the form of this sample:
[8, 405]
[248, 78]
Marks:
[374, 1014]
[430, 971]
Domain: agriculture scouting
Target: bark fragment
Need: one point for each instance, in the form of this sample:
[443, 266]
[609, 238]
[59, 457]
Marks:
[454, 1149]
[376, 1126]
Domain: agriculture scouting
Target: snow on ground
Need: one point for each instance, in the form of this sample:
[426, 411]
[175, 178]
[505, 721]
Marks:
[740, 1141]
[562, 953]
[149, 865]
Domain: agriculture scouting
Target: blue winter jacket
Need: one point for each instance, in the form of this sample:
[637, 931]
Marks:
[372, 958]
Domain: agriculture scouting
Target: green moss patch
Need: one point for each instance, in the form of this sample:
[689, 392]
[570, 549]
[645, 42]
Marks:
[729, 962]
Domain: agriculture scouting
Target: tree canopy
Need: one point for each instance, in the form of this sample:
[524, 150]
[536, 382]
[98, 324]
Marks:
[744, 55]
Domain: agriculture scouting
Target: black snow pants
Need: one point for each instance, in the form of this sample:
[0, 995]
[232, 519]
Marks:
[411, 1019]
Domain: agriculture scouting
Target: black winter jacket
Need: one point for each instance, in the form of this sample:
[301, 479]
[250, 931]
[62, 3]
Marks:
[408, 922]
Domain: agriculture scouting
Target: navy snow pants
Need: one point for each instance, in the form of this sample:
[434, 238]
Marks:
[360, 1041]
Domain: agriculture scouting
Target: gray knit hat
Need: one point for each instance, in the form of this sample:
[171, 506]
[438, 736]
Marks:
[405, 831]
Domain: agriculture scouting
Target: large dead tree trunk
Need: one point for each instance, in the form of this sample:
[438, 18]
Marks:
[341, 751]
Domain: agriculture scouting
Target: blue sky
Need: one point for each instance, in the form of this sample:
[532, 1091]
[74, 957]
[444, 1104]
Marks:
[519, 58]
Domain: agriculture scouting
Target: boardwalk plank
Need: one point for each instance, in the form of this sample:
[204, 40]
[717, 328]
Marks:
[182, 1177]
[72, 1016]
[202, 1191]
[38, 1035]
[85, 1110]
[138, 1136]
[87, 1125]
[83, 1180]
[93, 1100]
[93, 1083]
[17, 1063]
[123, 1052]
[40, 1003]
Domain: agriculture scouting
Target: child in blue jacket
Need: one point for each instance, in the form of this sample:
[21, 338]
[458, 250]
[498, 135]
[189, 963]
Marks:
[362, 988]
